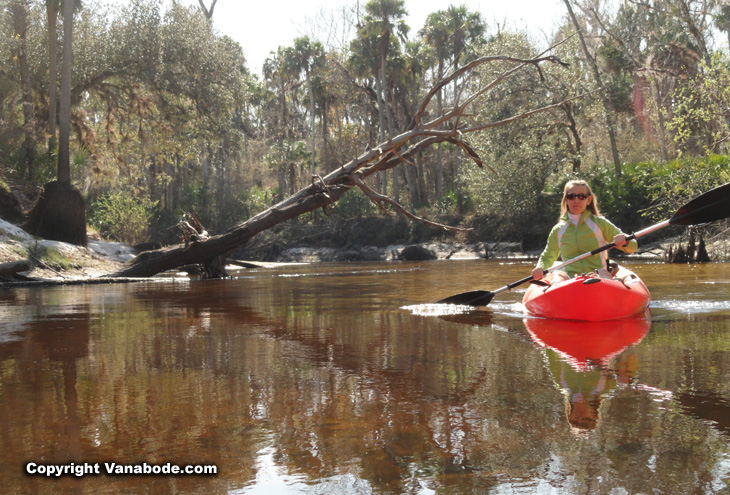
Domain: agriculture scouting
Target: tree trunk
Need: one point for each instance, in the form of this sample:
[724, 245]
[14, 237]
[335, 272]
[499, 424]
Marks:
[20, 10]
[311, 127]
[604, 97]
[577, 148]
[64, 158]
[52, 74]
[381, 119]
[439, 174]
[662, 123]
[60, 212]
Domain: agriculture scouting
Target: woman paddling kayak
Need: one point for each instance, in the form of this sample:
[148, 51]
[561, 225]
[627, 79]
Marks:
[580, 229]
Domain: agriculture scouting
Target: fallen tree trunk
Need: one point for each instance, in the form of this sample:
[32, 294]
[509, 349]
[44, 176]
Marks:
[12, 267]
[324, 191]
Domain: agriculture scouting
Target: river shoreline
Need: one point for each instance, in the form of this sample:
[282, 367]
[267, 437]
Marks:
[56, 262]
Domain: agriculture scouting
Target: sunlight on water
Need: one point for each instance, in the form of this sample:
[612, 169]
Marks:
[347, 273]
[721, 473]
[272, 479]
[691, 307]
[435, 309]
[509, 309]
[512, 310]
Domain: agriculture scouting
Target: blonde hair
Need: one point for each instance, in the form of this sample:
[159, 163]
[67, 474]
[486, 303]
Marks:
[592, 206]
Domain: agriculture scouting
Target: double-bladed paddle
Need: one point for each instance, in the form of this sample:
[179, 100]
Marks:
[708, 207]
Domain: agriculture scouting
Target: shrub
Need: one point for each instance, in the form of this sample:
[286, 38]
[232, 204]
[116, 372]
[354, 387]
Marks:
[122, 216]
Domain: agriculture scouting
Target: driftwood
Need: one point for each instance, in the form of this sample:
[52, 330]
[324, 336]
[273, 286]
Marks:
[324, 191]
[12, 267]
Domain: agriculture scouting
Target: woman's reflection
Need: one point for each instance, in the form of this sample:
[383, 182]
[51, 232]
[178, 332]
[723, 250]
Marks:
[587, 361]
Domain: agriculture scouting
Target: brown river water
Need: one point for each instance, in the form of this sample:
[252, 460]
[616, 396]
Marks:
[345, 379]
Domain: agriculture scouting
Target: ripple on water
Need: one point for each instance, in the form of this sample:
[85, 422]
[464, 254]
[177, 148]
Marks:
[691, 306]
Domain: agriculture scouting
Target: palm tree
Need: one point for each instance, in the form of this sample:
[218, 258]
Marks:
[436, 35]
[451, 34]
[306, 56]
[52, 10]
[384, 19]
[465, 32]
[60, 212]
[277, 80]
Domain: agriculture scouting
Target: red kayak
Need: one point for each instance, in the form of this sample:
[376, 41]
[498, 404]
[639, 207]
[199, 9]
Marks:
[589, 298]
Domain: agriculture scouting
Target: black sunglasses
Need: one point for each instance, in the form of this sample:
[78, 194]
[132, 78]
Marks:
[580, 196]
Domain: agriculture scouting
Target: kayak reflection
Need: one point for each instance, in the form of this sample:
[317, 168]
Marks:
[587, 361]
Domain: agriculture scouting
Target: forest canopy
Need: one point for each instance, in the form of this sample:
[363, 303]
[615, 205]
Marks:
[167, 117]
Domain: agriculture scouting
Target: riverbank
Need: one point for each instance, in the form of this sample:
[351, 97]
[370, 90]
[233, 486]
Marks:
[54, 260]
[62, 262]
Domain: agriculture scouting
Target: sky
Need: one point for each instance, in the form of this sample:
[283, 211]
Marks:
[261, 26]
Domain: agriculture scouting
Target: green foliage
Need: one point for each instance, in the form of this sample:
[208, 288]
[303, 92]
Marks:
[122, 216]
[256, 200]
[647, 192]
[165, 105]
[673, 183]
[354, 204]
[702, 116]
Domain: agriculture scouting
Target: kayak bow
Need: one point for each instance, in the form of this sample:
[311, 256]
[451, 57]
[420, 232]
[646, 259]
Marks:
[589, 298]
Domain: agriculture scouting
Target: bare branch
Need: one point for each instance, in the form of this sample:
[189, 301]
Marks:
[522, 115]
[468, 68]
[326, 190]
[378, 199]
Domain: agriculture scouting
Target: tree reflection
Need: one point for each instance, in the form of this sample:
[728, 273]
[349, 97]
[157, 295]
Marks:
[311, 385]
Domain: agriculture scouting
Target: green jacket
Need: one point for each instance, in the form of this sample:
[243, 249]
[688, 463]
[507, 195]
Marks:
[568, 241]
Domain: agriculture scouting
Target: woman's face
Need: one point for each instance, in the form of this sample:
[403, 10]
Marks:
[576, 205]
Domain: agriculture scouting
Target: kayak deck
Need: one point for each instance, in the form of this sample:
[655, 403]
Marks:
[589, 298]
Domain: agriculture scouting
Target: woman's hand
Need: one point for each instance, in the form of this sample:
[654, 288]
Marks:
[538, 273]
[620, 240]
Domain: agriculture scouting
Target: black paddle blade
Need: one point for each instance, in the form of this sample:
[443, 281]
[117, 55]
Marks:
[705, 208]
[472, 298]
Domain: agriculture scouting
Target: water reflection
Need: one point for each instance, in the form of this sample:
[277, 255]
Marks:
[318, 381]
[587, 361]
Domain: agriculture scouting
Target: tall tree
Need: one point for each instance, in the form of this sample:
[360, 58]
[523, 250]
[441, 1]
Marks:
[60, 212]
[436, 35]
[384, 20]
[52, 10]
[19, 10]
[307, 56]
[52, 7]
[452, 33]
[608, 111]
[64, 158]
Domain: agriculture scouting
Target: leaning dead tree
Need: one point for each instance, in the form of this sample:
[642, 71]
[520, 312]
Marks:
[450, 127]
